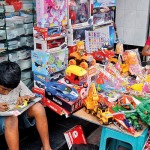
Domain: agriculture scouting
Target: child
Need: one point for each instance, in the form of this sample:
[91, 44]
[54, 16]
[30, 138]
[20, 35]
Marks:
[13, 91]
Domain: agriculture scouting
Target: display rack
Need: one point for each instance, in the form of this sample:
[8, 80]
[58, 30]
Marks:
[16, 36]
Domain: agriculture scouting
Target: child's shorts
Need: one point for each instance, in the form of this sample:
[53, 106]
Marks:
[24, 122]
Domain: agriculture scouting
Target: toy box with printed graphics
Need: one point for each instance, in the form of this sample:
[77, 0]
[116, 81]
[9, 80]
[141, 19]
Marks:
[64, 96]
[46, 102]
[48, 33]
[51, 13]
[104, 3]
[83, 92]
[77, 34]
[100, 17]
[75, 136]
[40, 80]
[56, 108]
[102, 37]
[80, 12]
[48, 63]
[49, 45]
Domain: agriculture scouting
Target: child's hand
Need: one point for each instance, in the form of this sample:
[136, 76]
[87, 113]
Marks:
[22, 98]
[4, 106]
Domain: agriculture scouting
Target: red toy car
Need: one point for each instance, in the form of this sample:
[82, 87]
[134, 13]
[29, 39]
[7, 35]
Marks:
[102, 55]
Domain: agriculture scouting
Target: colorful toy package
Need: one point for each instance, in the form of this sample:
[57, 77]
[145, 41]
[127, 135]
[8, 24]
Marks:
[134, 62]
[80, 12]
[48, 63]
[100, 38]
[51, 13]
[41, 80]
[104, 3]
[100, 17]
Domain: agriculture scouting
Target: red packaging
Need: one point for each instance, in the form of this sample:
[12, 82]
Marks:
[75, 136]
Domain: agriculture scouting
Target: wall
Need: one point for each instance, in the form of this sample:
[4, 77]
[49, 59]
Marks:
[132, 20]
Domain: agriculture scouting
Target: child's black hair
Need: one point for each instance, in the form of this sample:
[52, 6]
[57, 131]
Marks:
[10, 74]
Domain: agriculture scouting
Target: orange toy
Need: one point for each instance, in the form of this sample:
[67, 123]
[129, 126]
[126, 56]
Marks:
[80, 58]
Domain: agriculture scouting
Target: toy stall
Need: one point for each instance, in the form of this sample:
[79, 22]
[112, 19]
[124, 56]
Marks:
[81, 69]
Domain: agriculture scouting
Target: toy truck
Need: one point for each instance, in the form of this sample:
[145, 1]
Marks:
[104, 115]
[99, 109]
[81, 59]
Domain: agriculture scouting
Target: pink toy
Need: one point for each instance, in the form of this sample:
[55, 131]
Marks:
[51, 13]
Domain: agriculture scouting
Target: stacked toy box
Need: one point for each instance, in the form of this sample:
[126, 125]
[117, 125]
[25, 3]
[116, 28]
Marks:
[50, 55]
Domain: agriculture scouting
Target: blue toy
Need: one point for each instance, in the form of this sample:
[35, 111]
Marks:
[61, 90]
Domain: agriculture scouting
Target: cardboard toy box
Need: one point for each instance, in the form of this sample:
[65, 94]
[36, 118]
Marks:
[51, 13]
[70, 106]
[104, 3]
[103, 18]
[55, 107]
[49, 45]
[48, 63]
[40, 80]
[77, 33]
[79, 13]
[75, 136]
[48, 33]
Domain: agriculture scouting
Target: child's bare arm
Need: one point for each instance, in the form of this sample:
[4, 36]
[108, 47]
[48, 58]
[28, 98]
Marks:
[4, 106]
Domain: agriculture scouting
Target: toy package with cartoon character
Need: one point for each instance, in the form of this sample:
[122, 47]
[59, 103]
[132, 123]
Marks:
[51, 13]
[48, 63]
[80, 12]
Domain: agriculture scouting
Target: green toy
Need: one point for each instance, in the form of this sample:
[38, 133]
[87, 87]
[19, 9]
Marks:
[133, 119]
[143, 109]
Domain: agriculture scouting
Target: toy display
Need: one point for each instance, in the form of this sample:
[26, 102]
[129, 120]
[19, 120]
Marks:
[96, 74]
[48, 63]
[76, 75]
[104, 3]
[80, 12]
[51, 13]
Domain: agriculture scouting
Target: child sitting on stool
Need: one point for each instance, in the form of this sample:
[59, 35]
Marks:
[14, 91]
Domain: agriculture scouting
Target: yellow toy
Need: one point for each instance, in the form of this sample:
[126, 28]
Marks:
[91, 102]
[76, 75]
[25, 103]
[99, 109]
[80, 58]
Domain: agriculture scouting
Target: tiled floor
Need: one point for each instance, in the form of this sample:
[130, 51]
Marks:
[29, 138]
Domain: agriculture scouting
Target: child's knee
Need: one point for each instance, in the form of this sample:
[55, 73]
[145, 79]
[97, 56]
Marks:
[11, 121]
[36, 109]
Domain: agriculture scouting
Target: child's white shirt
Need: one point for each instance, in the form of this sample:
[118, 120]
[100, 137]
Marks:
[12, 97]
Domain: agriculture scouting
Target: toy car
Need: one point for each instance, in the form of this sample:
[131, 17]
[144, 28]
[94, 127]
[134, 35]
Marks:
[54, 31]
[61, 91]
